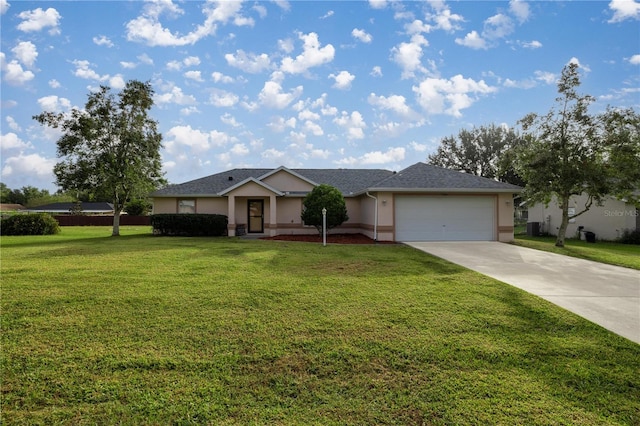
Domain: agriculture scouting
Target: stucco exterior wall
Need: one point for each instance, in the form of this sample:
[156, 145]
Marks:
[217, 205]
[608, 221]
[285, 181]
[164, 205]
[505, 218]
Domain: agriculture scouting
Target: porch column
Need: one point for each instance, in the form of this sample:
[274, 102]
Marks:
[231, 214]
[273, 216]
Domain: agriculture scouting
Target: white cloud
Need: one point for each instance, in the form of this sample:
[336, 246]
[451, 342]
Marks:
[533, 44]
[280, 124]
[576, 61]
[313, 128]
[145, 59]
[189, 111]
[449, 96]
[197, 140]
[32, 165]
[497, 26]
[273, 155]
[378, 4]
[362, 35]
[218, 77]
[128, 65]
[148, 29]
[248, 62]
[230, 120]
[392, 155]
[239, 149]
[54, 104]
[38, 19]
[520, 9]
[623, 10]
[395, 103]
[286, 45]
[353, 123]
[418, 147]
[262, 11]
[272, 95]
[26, 53]
[13, 125]
[222, 98]
[376, 71]
[472, 40]
[4, 6]
[443, 18]
[175, 96]
[117, 82]
[103, 41]
[13, 73]
[546, 77]
[11, 141]
[343, 80]
[54, 84]
[194, 75]
[327, 15]
[409, 56]
[191, 61]
[634, 60]
[83, 71]
[311, 56]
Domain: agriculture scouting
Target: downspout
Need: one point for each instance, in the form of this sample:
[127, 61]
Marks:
[375, 220]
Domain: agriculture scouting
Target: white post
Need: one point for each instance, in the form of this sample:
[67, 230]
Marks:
[324, 227]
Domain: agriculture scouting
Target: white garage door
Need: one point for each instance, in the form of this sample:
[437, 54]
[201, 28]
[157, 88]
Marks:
[445, 218]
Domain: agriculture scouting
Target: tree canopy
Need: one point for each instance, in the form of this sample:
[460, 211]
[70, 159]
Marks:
[111, 149]
[324, 196]
[486, 151]
[572, 152]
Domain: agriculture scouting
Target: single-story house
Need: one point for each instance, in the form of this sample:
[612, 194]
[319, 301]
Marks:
[608, 221]
[67, 208]
[421, 202]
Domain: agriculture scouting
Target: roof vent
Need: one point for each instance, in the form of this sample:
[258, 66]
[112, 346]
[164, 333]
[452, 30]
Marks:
[230, 177]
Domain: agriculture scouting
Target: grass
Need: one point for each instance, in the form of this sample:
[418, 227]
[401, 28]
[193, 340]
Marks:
[627, 255]
[142, 330]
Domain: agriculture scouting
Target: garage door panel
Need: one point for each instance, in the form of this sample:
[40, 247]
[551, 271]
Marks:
[445, 218]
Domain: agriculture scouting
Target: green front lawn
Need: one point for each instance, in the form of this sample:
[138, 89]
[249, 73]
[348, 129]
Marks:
[627, 255]
[142, 330]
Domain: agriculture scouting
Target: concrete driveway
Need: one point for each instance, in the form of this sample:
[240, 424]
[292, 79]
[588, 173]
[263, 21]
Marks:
[604, 294]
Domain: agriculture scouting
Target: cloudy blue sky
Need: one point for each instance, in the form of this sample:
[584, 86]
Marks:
[316, 84]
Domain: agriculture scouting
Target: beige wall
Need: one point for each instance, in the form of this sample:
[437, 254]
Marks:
[505, 217]
[608, 221]
[285, 181]
[165, 205]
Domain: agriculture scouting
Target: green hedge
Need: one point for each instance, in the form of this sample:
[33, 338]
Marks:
[29, 224]
[210, 225]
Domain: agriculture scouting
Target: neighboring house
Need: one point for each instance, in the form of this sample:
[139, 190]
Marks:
[11, 207]
[421, 202]
[608, 221]
[66, 208]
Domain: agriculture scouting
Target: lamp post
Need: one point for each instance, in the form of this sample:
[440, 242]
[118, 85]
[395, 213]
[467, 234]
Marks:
[324, 226]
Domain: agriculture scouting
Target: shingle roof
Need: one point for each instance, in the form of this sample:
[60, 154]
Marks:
[65, 207]
[425, 176]
[420, 176]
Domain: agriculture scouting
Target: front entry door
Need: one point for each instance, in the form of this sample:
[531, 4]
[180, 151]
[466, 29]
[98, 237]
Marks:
[256, 216]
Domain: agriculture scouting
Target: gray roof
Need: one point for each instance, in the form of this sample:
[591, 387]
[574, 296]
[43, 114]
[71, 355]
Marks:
[66, 206]
[419, 177]
[423, 176]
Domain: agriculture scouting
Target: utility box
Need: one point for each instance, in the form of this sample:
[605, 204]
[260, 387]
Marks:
[590, 236]
[533, 229]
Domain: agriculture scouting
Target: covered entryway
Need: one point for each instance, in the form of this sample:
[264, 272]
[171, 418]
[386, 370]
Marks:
[445, 218]
[255, 209]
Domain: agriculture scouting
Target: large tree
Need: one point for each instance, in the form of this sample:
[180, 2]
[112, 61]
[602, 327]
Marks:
[573, 152]
[482, 151]
[111, 148]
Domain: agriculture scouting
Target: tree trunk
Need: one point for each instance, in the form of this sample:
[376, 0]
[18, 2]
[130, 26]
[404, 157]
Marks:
[564, 206]
[116, 223]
